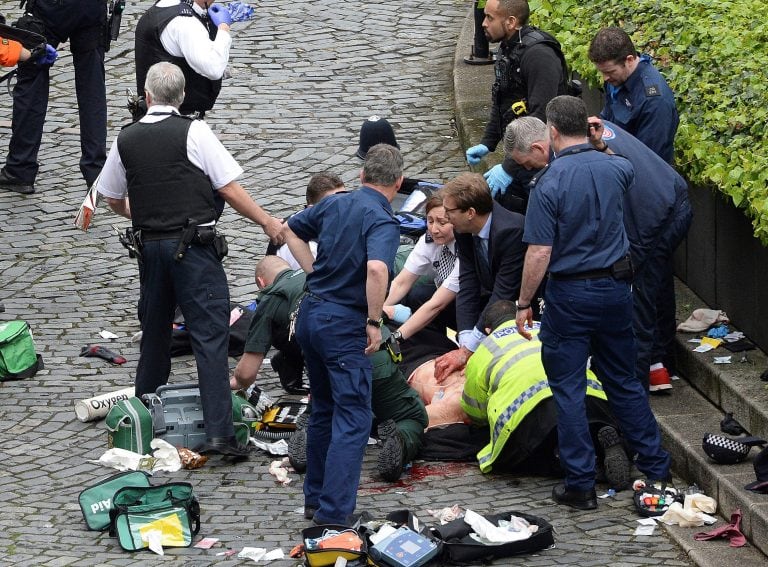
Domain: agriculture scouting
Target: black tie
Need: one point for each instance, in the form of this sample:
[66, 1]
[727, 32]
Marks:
[482, 260]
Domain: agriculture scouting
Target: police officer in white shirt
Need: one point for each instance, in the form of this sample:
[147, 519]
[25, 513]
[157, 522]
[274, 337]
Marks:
[191, 35]
[434, 256]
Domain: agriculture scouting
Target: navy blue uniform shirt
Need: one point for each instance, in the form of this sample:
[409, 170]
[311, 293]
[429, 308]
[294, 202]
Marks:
[649, 206]
[350, 229]
[576, 208]
[645, 107]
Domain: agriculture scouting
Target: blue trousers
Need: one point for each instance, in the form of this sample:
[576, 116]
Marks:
[583, 317]
[661, 273]
[333, 340]
[82, 21]
[198, 285]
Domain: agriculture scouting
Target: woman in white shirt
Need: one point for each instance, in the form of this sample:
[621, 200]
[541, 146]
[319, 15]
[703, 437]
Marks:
[433, 256]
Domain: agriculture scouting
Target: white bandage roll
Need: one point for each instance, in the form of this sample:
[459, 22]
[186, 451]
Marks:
[98, 407]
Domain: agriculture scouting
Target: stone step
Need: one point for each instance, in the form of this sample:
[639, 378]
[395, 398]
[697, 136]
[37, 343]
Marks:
[695, 407]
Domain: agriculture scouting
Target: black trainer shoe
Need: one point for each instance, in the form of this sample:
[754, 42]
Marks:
[615, 463]
[390, 460]
[15, 184]
[297, 444]
[586, 500]
[309, 511]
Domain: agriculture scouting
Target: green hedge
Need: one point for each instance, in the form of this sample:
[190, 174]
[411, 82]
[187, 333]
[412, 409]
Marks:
[715, 57]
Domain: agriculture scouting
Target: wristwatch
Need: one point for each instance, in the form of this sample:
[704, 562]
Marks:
[374, 322]
[397, 335]
[521, 306]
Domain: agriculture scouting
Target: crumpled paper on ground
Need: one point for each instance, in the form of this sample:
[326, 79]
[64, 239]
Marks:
[702, 319]
[689, 515]
[261, 554]
[517, 530]
[446, 515]
[165, 458]
[277, 448]
[700, 502]
[279, 469]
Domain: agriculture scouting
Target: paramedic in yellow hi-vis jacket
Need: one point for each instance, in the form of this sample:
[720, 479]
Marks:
[507, 388]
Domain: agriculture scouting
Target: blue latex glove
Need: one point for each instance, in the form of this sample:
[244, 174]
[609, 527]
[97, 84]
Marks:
[240, 11]
[48, 57]
[476, 153]
[498, 180]
[219, 15]
[401, 314]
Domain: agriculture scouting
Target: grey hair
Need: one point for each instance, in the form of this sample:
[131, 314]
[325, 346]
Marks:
[165, 82]
[383, 165]
[522, 133]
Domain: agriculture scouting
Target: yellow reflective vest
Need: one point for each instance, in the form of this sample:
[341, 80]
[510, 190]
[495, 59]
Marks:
[505, 381]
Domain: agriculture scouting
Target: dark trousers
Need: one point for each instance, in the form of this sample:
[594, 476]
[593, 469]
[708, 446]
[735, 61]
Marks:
[480, 44]
[198, 285]
[333, 340]
[392, 398]
[584, 317]
[289, 365]
[532, 448]
[82, 22]
[653, 294]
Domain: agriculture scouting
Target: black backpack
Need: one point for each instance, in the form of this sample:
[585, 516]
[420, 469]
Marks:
[534, 37]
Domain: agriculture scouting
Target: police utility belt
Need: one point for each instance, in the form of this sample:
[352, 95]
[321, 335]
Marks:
[621, 270]
[190, 235]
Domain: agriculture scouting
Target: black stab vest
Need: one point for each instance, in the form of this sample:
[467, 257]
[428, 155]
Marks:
[199, 92]
[165, 189]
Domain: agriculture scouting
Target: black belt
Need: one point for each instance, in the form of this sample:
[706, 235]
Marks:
[203, 234]
[160, 234]
[588, 275]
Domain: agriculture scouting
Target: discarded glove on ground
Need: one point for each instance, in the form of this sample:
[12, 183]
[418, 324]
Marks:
[99, 351]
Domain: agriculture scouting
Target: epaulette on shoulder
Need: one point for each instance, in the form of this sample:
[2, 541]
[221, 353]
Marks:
[186, 9]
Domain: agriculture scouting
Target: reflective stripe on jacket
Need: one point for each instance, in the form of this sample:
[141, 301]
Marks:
[505, 381]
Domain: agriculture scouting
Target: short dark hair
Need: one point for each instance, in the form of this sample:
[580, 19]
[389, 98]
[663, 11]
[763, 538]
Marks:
[498, 313]
[383, 165]
[320, 184]
[569, 115]
[469, 190]
[611, 44]
[516, 8]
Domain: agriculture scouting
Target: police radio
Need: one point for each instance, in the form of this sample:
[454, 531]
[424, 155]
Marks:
[115, 17]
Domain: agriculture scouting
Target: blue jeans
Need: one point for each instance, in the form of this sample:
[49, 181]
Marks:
[198, 285]
[333, 340]
[594, 316]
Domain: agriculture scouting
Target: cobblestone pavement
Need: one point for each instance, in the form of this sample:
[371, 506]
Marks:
[304, 77]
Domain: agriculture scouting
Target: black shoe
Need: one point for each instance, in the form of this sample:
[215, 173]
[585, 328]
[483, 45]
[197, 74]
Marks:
[615, 462]
[309, 512]
[225, 446]
[297, 444]
[15, 184]
[390, 460]
[574, 498]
